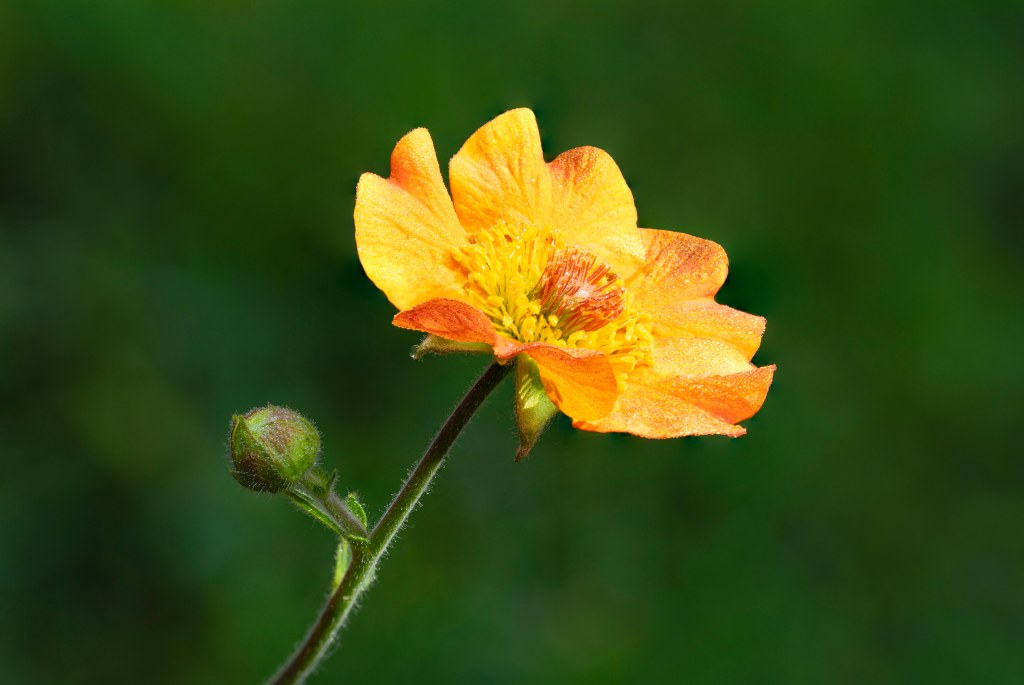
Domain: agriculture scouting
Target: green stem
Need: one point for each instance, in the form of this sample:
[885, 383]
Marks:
[365, 555]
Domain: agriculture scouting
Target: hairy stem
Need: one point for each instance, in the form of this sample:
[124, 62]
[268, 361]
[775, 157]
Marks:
[365, 555]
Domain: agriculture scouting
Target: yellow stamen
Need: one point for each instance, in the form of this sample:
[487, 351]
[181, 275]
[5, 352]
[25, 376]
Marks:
[534, 289]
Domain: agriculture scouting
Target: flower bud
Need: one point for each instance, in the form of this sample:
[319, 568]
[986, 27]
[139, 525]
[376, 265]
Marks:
[272, 447]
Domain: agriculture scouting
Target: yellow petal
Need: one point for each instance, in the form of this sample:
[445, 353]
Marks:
[500, 174]
[695, 357]
[705, 318]
[680, 265]
[692, 387]
[406, 226]
[676, 286]
[581, 383]
[593, 208]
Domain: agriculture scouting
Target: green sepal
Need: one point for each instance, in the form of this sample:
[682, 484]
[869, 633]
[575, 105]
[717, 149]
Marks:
[331, 480]
[356, 507]
[341, 561]
[534, 410]
[311, 507]
[319, 482]
[433, 344]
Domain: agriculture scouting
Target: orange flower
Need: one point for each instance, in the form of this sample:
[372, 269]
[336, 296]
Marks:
[544, 262]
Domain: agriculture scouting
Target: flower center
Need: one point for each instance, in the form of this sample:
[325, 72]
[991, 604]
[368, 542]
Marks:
[533, 288]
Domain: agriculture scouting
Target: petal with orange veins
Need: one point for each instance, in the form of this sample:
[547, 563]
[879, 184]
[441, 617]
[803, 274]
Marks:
[449, 319]
[500, 174]
[406, 226]
[733, 398]
[580, 382]
[592, 207]
[692, 387]
[677, 266]
[676, 287]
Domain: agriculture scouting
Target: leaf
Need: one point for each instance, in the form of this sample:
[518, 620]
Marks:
[331, 480]
[356, 507]
[310, 506]
[341, 561]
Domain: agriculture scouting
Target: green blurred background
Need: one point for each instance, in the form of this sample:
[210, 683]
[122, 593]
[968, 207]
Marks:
[176, 244]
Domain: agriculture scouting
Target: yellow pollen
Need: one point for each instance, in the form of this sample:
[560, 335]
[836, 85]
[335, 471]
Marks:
[535, 289]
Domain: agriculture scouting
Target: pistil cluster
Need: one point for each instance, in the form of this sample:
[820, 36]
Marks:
[581, 294]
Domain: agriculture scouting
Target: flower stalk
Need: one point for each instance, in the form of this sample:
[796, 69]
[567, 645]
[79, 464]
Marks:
[367, 552]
